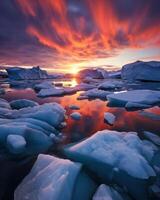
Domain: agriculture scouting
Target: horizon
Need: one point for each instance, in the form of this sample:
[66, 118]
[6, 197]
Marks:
[67, 35]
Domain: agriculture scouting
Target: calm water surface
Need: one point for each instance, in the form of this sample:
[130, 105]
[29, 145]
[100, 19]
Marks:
[92, 113]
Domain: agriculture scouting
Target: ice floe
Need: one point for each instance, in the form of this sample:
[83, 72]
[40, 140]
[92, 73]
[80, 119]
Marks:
[144, 97]
[109, 118]
[22, 103]
[116, 157]
[110, 85]
[93, 94]
[44, 85]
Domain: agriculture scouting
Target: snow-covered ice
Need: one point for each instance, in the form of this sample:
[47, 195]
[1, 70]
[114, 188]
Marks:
[105, 192]
[51, 178]
[109, 118]
[145, 97]
[143, 71]
[22, 103]
[76, 115]
[117, 157]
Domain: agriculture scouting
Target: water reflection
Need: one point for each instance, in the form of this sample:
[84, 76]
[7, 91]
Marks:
[92, 115]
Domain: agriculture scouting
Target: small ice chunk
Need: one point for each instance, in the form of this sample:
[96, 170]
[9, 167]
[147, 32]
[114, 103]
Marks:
[44, 85]
[109, 118]
[16, 143]
[74, 107]
[76, 116]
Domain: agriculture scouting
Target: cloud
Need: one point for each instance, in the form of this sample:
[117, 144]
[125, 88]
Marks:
[62, 32]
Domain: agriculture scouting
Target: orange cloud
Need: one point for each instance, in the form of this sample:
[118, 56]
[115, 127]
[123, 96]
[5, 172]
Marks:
[53, 26]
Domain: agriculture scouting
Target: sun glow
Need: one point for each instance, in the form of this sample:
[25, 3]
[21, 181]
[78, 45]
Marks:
[74, 70]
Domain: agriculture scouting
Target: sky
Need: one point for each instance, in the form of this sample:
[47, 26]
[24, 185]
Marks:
[69, 35]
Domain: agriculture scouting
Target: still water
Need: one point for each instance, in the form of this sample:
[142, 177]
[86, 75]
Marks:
[92, 113]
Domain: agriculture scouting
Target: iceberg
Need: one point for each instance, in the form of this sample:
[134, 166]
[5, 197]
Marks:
[18, 73]
[105, 192]
[22, 103]
[116, 157]
[98, 73]
[144, 97]
[142, 71]
[109, 118]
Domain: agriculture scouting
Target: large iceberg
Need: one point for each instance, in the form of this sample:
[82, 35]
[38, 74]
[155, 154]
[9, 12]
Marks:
[117, 157]
[52, 178]
[98, 73]
[18, 73]
[29, 130]
[143, 71]
[140, 97]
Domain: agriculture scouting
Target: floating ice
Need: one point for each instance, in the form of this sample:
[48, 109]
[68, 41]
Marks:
[105, 192]
[32, 125]
[116, 157]
[94, 93]
[74, 107]
[22, 103]
[50, 178]
[76, 116]
[110, 84]
[146, 97]
[109, 118]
